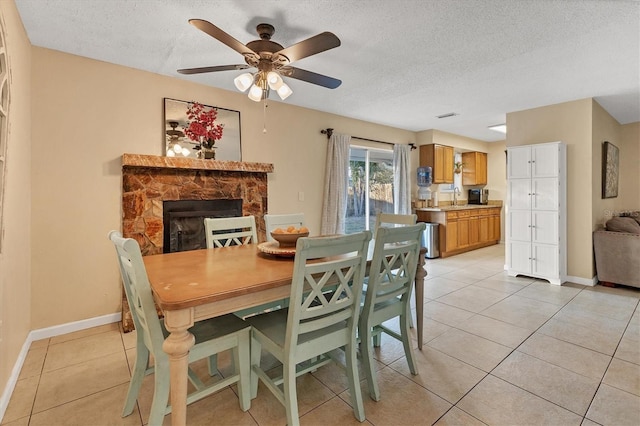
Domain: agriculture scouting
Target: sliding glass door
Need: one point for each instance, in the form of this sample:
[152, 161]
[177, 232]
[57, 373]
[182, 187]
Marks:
[370, 187]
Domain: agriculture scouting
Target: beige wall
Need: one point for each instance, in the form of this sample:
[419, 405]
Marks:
[629, 184]
[87, 114]
[15, 260]
[584, 125]
[605, 128]
[571, 123]
[497, 177]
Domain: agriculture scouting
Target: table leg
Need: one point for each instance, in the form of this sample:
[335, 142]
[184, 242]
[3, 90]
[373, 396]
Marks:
[177, 346]
[420, 274]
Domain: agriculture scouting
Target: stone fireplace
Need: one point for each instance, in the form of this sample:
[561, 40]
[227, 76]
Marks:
[149, 180]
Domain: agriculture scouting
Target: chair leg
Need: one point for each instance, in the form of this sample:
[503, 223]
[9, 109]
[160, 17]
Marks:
[354, 381]
[212, 363]
[139, 368]
[256, 351]
[405, 321]
[366, 351]
[290, 395]
[160, 393]
[242, 358]
[377, 340]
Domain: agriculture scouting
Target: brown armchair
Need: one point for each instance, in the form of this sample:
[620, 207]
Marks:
[617, 255]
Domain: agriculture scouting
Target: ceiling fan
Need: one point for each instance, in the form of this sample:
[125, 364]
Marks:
[271, 59]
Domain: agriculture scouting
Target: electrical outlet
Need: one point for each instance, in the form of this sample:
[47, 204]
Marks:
[300, 196]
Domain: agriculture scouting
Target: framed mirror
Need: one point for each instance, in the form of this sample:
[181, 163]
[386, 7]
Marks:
[178, 144]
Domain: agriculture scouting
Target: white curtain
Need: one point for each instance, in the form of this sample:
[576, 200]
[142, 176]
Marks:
[336, 182]
[401, 179]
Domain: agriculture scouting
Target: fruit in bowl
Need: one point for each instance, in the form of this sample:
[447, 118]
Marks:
[288, 237]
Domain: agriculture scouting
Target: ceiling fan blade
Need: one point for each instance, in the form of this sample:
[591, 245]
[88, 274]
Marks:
[311, 46]
[312, 77]
[201, 70]
[221, 36]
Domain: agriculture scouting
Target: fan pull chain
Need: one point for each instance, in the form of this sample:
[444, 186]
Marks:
[264, 116]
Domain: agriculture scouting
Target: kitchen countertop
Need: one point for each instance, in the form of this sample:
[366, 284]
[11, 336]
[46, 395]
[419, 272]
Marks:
[461, 207]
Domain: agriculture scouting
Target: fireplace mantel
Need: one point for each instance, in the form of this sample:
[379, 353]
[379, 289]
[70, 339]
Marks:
[149, 180]
[159, 162]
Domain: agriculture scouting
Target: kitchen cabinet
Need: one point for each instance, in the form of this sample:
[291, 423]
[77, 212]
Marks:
[474, 171]
[474, 227]
[536, 211]
[463, 229]
[440, 159]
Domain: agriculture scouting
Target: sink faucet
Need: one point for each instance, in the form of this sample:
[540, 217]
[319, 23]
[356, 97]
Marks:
[456, 192]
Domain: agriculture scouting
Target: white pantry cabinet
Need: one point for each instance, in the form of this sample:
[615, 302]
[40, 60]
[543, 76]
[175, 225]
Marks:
[536, 211]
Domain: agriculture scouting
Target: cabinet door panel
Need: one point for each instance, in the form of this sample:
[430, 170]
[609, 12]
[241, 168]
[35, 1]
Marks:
[544, 160]
[463, 232]
[519, 225]
[481, 169]
[452, 235]
[545, 260]
[519, 257]
[485, 229]
[544, 194]
[474, 230]
[519, 162]
[518, 191]
[447, 164]
[544, 227]
[494, 235]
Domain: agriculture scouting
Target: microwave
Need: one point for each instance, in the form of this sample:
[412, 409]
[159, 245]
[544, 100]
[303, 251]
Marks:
[478, 196]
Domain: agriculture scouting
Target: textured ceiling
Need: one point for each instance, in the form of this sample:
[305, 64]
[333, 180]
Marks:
[402, 63]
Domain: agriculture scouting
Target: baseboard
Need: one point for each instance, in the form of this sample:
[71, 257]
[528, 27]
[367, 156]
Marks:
[583, 281]
[70, 327]
[44, 333]
[13, 378]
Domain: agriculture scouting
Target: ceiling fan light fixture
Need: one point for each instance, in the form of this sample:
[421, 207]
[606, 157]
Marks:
[284, 91]
[274, 80]
[255, 93]
[243, 81]
[177, 148]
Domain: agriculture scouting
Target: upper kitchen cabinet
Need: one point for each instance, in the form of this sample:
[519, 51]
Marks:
[474, 171]
[440, 159]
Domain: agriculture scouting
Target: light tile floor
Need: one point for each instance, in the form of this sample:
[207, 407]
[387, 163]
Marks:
[498, 351]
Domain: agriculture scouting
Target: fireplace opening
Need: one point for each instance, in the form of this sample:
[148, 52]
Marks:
[183, 221]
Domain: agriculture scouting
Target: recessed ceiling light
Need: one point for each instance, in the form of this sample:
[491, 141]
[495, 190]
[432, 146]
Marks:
[502, 128]
[447, 115]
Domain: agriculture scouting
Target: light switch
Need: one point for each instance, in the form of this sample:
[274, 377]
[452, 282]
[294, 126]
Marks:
[300, 196]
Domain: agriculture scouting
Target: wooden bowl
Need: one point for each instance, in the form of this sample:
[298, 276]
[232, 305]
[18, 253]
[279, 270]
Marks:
[288, 240]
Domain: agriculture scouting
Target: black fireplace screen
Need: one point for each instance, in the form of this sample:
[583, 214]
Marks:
[184, 221]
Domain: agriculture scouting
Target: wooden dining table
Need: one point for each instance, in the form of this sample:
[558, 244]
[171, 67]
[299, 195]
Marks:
[192, 286]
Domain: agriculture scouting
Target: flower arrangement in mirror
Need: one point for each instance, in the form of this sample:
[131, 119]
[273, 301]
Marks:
[202, 128]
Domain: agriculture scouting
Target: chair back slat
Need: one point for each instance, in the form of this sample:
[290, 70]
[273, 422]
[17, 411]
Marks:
[230, 231]
[391, 220]
[327, 285]
[138, 292]
[393, 268]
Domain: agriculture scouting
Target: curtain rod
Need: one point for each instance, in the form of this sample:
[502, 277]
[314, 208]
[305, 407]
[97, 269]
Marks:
[329, 132]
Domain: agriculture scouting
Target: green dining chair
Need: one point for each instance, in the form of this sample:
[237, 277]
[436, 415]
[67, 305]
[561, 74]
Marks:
[229, 231]
[392, 219]
[274, 221]
[391, 277]
[322, 316]
[211, 337]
